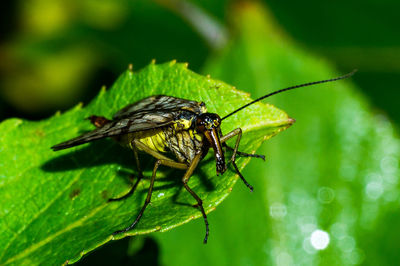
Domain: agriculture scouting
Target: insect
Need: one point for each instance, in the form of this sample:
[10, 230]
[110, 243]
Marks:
[160, 124]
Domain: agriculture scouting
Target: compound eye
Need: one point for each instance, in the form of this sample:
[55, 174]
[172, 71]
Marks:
[200, 125]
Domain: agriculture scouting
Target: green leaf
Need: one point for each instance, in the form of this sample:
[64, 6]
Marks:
[54, 204]
[336, 170]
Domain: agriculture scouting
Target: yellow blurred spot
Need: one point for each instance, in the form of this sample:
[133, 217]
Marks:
[54, 81]
[45, 16]
[105, 14]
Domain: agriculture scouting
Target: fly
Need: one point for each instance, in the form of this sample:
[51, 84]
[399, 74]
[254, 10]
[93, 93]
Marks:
[159, 124]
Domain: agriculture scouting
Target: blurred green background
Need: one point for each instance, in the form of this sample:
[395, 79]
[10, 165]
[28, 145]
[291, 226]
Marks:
[328, 194]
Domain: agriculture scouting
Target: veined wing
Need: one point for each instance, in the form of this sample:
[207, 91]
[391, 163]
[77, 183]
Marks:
[161, 102]
[137, 122]
[149, 113]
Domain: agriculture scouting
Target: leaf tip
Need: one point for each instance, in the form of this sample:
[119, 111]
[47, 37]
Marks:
[103, 90]
[130, 67]
[173, 62]
[79, 105]
[186, 65]
[153, 61]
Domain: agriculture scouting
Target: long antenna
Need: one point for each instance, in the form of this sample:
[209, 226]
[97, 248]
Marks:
[291, 88]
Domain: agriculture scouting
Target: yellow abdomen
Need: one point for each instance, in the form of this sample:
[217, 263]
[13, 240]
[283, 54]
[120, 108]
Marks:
[184, 144]
[155, 140]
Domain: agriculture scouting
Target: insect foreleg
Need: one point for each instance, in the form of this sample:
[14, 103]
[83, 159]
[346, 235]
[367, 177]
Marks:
[140, 176]
[236, 132]
[159, 162]
[199, 204]
[243, 154]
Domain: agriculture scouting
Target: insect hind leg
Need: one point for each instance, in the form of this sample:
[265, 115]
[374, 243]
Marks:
[159, 162]
[140, 176]
[130, 192]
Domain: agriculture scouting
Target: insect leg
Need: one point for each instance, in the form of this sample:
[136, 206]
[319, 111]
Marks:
[140, 176]
[230, 135]
[135, 144]
[159, 162]
[243, 154]
[199, 204]
[149, 151]
[236, 132]
[185, 178]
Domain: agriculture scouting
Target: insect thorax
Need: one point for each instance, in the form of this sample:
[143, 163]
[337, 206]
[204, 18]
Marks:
[179, 138]
[185, 144]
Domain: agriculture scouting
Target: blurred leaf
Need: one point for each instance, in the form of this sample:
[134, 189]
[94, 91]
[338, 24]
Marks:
[64, 49]
[54, 205]
[208, 27]
[336, 170]
[352, 25]
[49, 80]
[351, 35]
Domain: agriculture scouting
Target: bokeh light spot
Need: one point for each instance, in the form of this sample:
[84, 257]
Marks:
[374, 190]
[308, 247]
[284, 259]
[347, 244]
[326, 195]
[389, 164]
[277, 210]
[319, 239]
[339, 230]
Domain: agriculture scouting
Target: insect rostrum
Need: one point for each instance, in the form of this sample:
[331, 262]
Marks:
[160, 124]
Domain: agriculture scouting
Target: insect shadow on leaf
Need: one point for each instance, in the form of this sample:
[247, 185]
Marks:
[108, 153]
[160, 124]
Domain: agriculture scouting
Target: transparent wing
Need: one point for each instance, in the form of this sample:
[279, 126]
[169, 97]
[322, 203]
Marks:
[160, 102]
[149, 113]
[135, 123]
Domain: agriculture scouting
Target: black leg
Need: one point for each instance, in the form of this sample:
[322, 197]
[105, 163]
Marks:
[199, 204]
[236, 132]
[159, 162]
[243, 154]
[133, 188]
[140, 176]
[242, 177]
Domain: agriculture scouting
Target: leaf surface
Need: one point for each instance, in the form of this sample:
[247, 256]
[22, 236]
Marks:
[54, 204]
